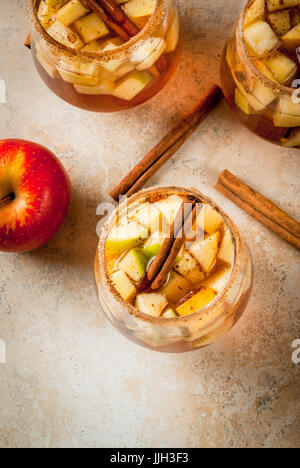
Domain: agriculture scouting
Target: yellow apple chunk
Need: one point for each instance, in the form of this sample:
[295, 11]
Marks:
[287, 113]
[242, 102]
[134, 264]
[45, 61]
[205, 251]
[176, 288]
[261, 39]
[64, 35]
[91, 27]
[123, 285]
[201, 299]
[71, 12]
[226, 251]
[151, 304]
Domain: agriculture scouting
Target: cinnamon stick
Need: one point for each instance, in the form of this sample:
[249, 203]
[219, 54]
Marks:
[259, 207]
[100, 11]
[180, 228]
[163, 151]
[116, 12]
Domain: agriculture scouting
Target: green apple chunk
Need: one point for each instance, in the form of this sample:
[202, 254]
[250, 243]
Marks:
[123, 285]
[134, 264]
[205, 251]
[71, 12]
[261, 39]
[153, 244]
[176, 288]
[151, 304]
[148, 215]
[131, 85]
[209, 220]
[169, 313]
[226, 251]
[197, 302]
[218, 280]
[255, 12]
[125, 236]
[189, 268]
[91, 27]
[169, 207]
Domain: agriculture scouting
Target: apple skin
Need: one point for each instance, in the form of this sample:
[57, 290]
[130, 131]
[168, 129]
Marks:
[42, 193]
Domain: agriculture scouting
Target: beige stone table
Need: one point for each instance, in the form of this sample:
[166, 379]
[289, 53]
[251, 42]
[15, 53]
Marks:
[70, 379]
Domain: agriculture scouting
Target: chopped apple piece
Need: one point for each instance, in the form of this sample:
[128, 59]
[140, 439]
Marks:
[79, 73]
[261, 39]
[106, 87]
[147, 52]
[280, 22]
[123, 285]
[131, 85]
[71, 12]
[261, 95]
[91, 27]
[126, 68]
[134, 264]
[169, 313]
[172, 36]
[242, 102]
[218, 280]
[47, 10]
[124, 236]
[293, 140]
[93, 47]
[45, 61]
[205, 251]
[64, 35]
[291, 40]
[153, 244]
[264, 69]
[274, 5]
[287, 113]
[169, 207]
[176, 288]
[112, 65]
[148, 215]
[151, 304]
[282, 68]
[197, 302]
[226, 251]
[209, 220]
[136, 9]
[189, 268]
[255, 12]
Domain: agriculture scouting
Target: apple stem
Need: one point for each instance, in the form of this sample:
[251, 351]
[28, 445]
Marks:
[7, 199]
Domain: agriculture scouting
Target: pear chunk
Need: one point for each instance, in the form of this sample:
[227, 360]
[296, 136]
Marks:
[134, 264]
[123, 285]
[127, 235]
[151, 304]
[226, 251]
[71, 12]
[209, 220]
[189, 268]
[205, 251]
[91, 27]
[197, 302]
[176, 288]
[261, 39]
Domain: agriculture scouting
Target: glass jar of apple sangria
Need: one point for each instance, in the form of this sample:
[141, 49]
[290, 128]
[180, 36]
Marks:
[206, 290]
[260, 70]
[93, 62]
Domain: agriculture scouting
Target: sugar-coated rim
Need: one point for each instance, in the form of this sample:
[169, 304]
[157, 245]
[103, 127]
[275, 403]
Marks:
[153, 23]
[240, 38]
[171, 190]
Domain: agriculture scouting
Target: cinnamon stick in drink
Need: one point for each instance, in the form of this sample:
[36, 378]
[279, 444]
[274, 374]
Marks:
[259, 207]
[163, 151]
[100, 11]
[116, 12]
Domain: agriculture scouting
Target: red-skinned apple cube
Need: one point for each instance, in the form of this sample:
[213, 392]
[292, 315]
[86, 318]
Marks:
[40, 192]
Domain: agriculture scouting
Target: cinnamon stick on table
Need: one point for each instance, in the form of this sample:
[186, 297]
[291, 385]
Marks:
[163, 151]
[180, 228]
[259, 207]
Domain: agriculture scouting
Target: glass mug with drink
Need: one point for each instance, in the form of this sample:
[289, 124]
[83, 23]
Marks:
[105, 55]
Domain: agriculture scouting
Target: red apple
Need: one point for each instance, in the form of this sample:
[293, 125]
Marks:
[35, 194]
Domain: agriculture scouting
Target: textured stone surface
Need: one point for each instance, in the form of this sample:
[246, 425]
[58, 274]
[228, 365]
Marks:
[70, 378]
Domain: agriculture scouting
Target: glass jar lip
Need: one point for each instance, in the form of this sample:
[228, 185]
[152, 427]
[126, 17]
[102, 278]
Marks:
[161, 321]
[145, 33]
[256, 72]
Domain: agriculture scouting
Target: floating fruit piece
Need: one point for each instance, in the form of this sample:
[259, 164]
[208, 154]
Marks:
[197, 302]
[218, 280]
[242, 102]
[274, 5]
[71, 12]
[226, 251]
[205, 251]
[64, 35]
[151, 304]
[209, 220]
[169, 313]
[189, 268]
[137, 9]
[147, 52]
[148, 215]
[261, 39]
[255, 12]
[176, 288]
[282, 68]
[45, 61]
[79, 73]
[291, 40]
[106, 87]
[280, 22]
[293, 140]
[169, 207]
[47, 10]
[172, 36]
[131, 85]
[287, 113]
[112, 65]
[123, 285]
[124, 236]
[134, 264]
[91, 27]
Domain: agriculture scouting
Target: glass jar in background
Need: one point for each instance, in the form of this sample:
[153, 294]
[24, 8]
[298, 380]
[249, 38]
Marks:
[83, 61]
[182, 330]
[260, 70]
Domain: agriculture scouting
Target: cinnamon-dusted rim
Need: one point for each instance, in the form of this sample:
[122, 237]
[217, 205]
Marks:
[162, 321]
[277, 87]
[153, 23]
